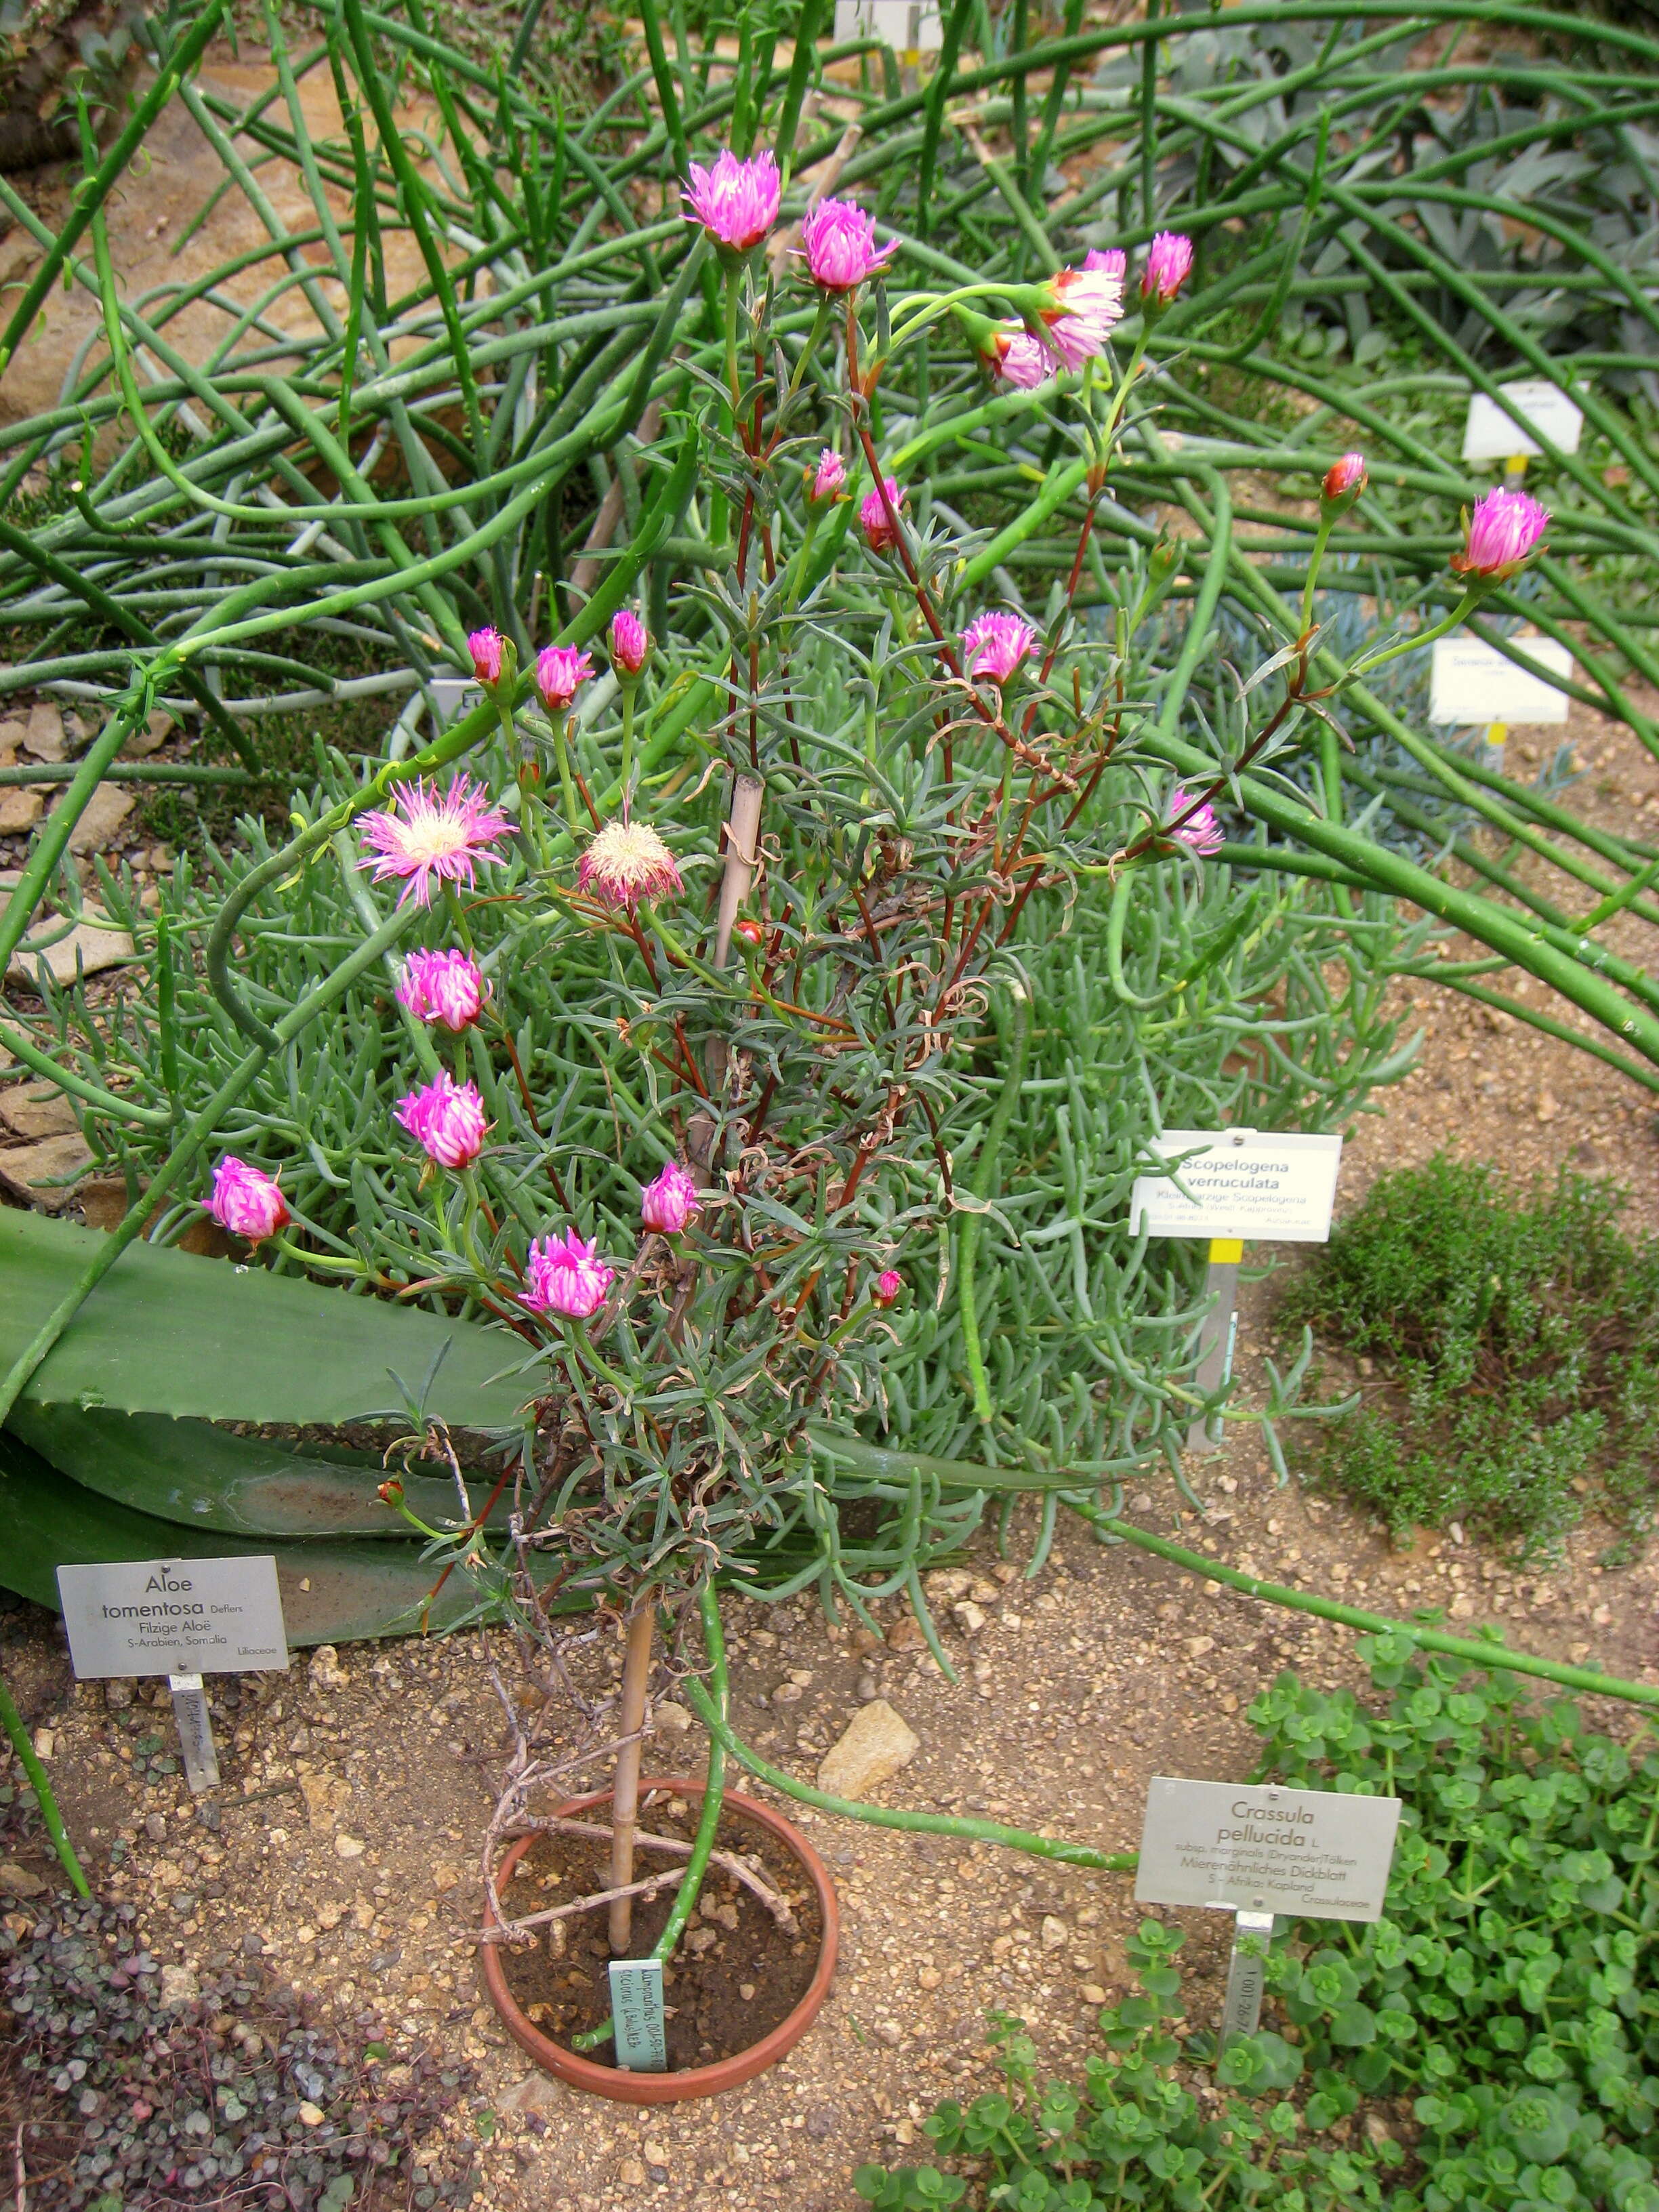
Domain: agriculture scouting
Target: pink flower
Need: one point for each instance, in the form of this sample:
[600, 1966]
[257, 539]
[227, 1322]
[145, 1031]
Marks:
[486, 646]
[1088, 303]
[824, 483]
[428, 839]
[246, 1201]
[879, 535]
[839, 239]
[1504, 531]
[564, 1275]
[887, 1286]
[445, 1119]
[736, 202]
[1346, 479]
[560, 672]
[995, 645]
[1111, 261]
[1200, 833]
[631, 642]
[445, 987]
[1169, 265]
[1019, 359]
[626, 862]
[669, 1202]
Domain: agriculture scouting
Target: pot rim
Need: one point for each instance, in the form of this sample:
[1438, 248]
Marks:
[730, 2073]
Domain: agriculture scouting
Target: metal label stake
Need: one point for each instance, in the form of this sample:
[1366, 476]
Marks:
[190, 1710]
[1241, 2011]
[1215, 1337]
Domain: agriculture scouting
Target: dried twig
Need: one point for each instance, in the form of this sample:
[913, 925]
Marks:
[505, 1930]
[551, 1824]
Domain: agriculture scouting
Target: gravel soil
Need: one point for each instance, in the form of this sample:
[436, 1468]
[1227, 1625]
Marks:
[356, 1789]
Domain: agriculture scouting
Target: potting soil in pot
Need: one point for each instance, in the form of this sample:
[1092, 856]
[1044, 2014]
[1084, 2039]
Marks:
[737, 1975]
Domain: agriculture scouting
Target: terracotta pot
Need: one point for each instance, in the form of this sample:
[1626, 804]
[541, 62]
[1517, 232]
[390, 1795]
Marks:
[692, 2081]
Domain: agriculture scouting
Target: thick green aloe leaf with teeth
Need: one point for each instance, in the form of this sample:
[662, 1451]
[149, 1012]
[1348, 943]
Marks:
[200, 1477]
[168, 1333]
[333, 1593]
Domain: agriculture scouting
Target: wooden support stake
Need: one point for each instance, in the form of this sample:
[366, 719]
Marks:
[625, 1799]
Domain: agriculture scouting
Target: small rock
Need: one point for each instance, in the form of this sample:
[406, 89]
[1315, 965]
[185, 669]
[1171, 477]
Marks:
[325, 1671]
[656, 2153]
[18, 1881]
[876, 1743]
[1548, 1106]
[945, 1584]
[746, 1991]
[1055, 1933]
[970, 1616]
[865, 1642]
[1093, 1993]
[905, 1634]
[179, 1986]
[39, 1109]
[312, 2115]
[890, 2033]
[155, 1827]
[669, 1719]
[444, 1878]
[20, 808]
[868, 1687]
[984, 1592]
[1461, 1606]
[822, 2122]
[1196, 1646]
[100, 820]
[326, 1796]
[119, 1692]
[45, 1742]
[43, 1176]
[631, 2173]
[12, 734]
[348, 1847]
[929, 1977]
[536, 2093]
[150, 739]
[94, 943]
[44, 737]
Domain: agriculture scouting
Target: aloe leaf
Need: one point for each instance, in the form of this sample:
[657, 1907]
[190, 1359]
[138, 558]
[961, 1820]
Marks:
[168, 1333]
[333, 1593]
[198, 1477]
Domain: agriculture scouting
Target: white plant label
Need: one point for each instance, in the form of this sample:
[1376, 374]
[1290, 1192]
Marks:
[909, 26]
[1473, 682]
[1239, 1182]
[1491, 435]
[454, 695]
[1253, 1847]
[173, 1617]
[637, 2008]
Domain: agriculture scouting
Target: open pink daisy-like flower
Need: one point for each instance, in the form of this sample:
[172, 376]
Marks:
[995, 644]
[561, 672]
[1169, 265]
[879, 535]
[565, 1275]
[1088, 305]
[1110, 261]
[824, 483]
[839, 241]
[486, 647]
[631, 642]
[246, 1201]
[1019, 359]
[1201, 832]
[426, 837]
[627, 862]
[445, 1119]
[1505, 531]
[736, 202]
[445, 989]
[669, 1201]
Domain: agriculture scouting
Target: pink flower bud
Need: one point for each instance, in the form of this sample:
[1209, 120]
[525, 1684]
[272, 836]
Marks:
[1346, 478]
[1169, 265]
[879, 535]
[736, 202]
[631, 642]
[445, 1119]
[1505, 531]
[446, 988]
[995, 645]
[839, 241]
[669, 1202]
[486, 646]
[246, 1201]
[887, 1286]
[1200, 831]
[560, 672]
[1110, 261]
[564, 1275]
[824, 483]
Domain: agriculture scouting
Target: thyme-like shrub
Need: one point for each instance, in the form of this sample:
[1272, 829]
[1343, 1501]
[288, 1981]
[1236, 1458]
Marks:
[1507, 1999]
[1513, 1326]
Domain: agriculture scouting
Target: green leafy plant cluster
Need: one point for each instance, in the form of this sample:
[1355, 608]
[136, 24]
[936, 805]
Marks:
[1513, 1326]
[1507, 1998]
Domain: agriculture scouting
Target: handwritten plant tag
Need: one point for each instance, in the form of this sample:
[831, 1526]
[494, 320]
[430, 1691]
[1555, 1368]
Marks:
[909, 26]
[173, 1617]
[636, 2006]
[1473, 682]
[1239, 1182]
[1255, 1847]
[1489, 434]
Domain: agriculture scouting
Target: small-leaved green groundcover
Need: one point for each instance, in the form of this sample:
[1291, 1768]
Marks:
[1514, 1328]
[1507, 2002]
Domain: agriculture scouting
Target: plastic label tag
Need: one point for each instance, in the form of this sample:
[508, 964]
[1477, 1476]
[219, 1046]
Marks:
[1239, 1182]
[637, 2008]
[1255, 1847]
[1489, 435]
[1474, 683]
[173, 1617]
[452, 696]
[909, 26]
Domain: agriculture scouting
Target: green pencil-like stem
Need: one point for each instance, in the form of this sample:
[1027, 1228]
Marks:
[43, 1793]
